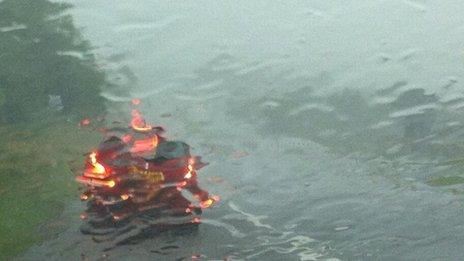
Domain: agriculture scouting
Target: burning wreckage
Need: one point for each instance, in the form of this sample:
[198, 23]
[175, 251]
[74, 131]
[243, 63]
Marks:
[134, 182]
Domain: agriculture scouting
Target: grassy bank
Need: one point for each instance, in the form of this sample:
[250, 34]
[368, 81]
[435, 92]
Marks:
[36, 177]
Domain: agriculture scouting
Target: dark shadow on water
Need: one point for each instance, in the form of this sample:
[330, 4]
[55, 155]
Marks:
[43, 55]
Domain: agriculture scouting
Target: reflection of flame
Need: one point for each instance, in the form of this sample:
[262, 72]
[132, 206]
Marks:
[138, 122]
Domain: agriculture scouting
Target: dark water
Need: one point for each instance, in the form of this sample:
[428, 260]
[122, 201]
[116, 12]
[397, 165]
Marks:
[333, 129]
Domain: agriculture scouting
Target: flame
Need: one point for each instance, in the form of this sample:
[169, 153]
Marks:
[207, 203]
[97, 168]
[111, 183]
[94, 182]
[138, 122]
[124, 196]
[189, 173]
[93, 157]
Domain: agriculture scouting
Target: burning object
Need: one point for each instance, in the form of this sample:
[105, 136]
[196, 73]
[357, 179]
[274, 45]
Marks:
[136, 179]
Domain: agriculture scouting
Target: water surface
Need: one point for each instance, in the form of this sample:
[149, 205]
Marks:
[333, 129]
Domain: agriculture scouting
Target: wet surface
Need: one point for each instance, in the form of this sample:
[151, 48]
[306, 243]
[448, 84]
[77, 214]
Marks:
[333, 130]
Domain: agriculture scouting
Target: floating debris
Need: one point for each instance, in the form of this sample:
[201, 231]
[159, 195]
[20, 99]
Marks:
[134, 182]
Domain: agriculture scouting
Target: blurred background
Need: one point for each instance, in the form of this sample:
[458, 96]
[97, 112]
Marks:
[333, 129]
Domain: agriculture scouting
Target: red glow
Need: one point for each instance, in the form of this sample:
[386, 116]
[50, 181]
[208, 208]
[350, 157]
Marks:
[144, 145]
[216, 198]
[191, 162]
[84, 122]
[136, 101]
[126, 138]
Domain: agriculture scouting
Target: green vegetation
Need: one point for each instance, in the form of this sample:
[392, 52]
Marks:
[36, 178]
[42, 55]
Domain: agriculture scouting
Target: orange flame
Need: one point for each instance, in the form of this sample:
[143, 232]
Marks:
[189, 173]
[111, 183]
[138, 122]
[97, 167]
[95, 182]
[209, 202]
